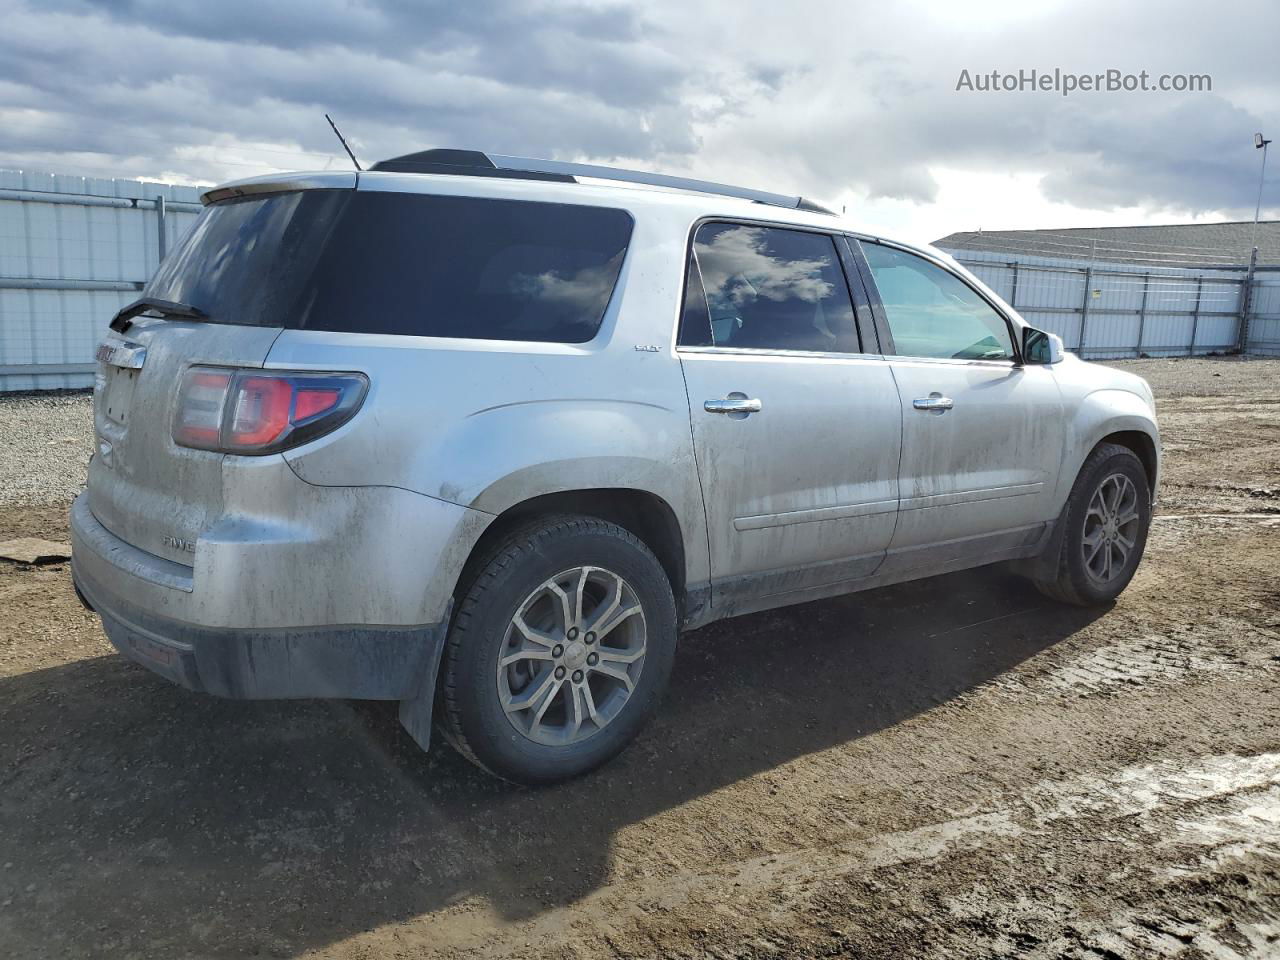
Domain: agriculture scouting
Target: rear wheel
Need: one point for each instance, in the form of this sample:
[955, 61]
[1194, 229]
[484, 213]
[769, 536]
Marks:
[559, 652]
[1105, 529]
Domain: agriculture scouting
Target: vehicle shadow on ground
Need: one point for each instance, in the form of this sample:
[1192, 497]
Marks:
[139, 818]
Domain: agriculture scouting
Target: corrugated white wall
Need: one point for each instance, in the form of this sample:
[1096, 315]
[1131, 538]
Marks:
[73, 250]
[1107, 310]
[1264, 316]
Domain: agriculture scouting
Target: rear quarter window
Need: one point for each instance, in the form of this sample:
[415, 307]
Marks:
[397, 263]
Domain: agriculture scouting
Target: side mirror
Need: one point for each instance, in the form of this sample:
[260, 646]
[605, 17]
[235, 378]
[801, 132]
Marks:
[1040, 347]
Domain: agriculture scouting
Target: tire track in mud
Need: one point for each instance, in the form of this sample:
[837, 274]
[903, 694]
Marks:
[1202, 820]
[1166, 823]
[1201, 648]
[1215, 842]
[1268, 519]
[1181, 837]
[1151, 660]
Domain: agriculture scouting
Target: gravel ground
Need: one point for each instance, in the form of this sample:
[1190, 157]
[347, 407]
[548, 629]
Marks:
[953, 768]
[47, 443]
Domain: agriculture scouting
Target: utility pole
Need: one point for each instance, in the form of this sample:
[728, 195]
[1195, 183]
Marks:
[1246, 291]
[1259, 143]
[1246, 301]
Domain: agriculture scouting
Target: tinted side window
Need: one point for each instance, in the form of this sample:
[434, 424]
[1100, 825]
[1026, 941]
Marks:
[769, 289]
[933, 313]
[695, 321]
[413, 264]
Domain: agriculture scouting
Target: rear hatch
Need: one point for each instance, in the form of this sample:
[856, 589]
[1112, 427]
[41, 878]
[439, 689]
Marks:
[243, 266]
[143, 487]
[318, 255]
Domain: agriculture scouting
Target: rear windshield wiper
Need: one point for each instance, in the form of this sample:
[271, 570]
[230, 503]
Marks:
[166, 308]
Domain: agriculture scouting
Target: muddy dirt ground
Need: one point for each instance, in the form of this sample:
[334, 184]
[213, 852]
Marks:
[951, 768]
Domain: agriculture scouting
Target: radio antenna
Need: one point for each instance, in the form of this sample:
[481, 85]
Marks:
[343, 141]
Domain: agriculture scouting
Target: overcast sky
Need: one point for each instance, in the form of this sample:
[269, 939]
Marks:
[853, 104]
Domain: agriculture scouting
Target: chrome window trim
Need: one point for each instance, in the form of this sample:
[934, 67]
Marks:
[957, 361]
[789, 354]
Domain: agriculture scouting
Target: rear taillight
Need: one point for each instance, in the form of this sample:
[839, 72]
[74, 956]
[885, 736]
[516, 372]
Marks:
[259, 411]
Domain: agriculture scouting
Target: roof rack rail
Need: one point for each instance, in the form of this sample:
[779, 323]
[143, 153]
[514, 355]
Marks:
[474, 163]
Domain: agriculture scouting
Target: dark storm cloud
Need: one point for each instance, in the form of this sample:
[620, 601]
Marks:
[129, 79]
[846, 99]
[533, 45]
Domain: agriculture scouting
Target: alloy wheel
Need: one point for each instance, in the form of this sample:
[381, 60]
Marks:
[1111, 528]
[572, 656]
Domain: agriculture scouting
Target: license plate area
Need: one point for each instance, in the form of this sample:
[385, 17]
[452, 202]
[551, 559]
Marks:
[117, 394]
[121, 366]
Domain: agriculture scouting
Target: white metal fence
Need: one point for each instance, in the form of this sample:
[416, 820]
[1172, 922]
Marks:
[73, 250]
[1111, 310]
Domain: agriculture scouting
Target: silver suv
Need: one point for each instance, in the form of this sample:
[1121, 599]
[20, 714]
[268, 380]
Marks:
[482, 434]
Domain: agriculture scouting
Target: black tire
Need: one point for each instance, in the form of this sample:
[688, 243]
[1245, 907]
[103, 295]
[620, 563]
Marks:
[472, 714]
[1068, 579]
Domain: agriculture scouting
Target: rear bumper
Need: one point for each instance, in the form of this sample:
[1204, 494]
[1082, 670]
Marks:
[356, 663]
[359, 662]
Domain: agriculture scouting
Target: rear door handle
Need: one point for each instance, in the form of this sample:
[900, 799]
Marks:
[734, 403]
[934, 402]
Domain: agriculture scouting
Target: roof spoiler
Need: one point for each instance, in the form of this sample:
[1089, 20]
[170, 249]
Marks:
[281, 183]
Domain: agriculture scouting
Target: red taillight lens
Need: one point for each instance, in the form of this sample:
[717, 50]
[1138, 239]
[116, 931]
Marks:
[311, 402]
[200, 405]
[257, 412]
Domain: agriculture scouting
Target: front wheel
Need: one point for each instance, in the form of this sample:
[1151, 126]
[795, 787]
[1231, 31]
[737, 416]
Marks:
[559, 652]
[1105, 529]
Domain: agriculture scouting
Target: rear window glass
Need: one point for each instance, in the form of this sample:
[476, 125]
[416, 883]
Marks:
[371, 262]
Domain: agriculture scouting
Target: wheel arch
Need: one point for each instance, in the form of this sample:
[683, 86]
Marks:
[1143, 446]
[1111, 416]
[640, 512]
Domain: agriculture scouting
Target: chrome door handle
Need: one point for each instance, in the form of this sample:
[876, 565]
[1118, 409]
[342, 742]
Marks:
[934, 402]
[733, 404]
